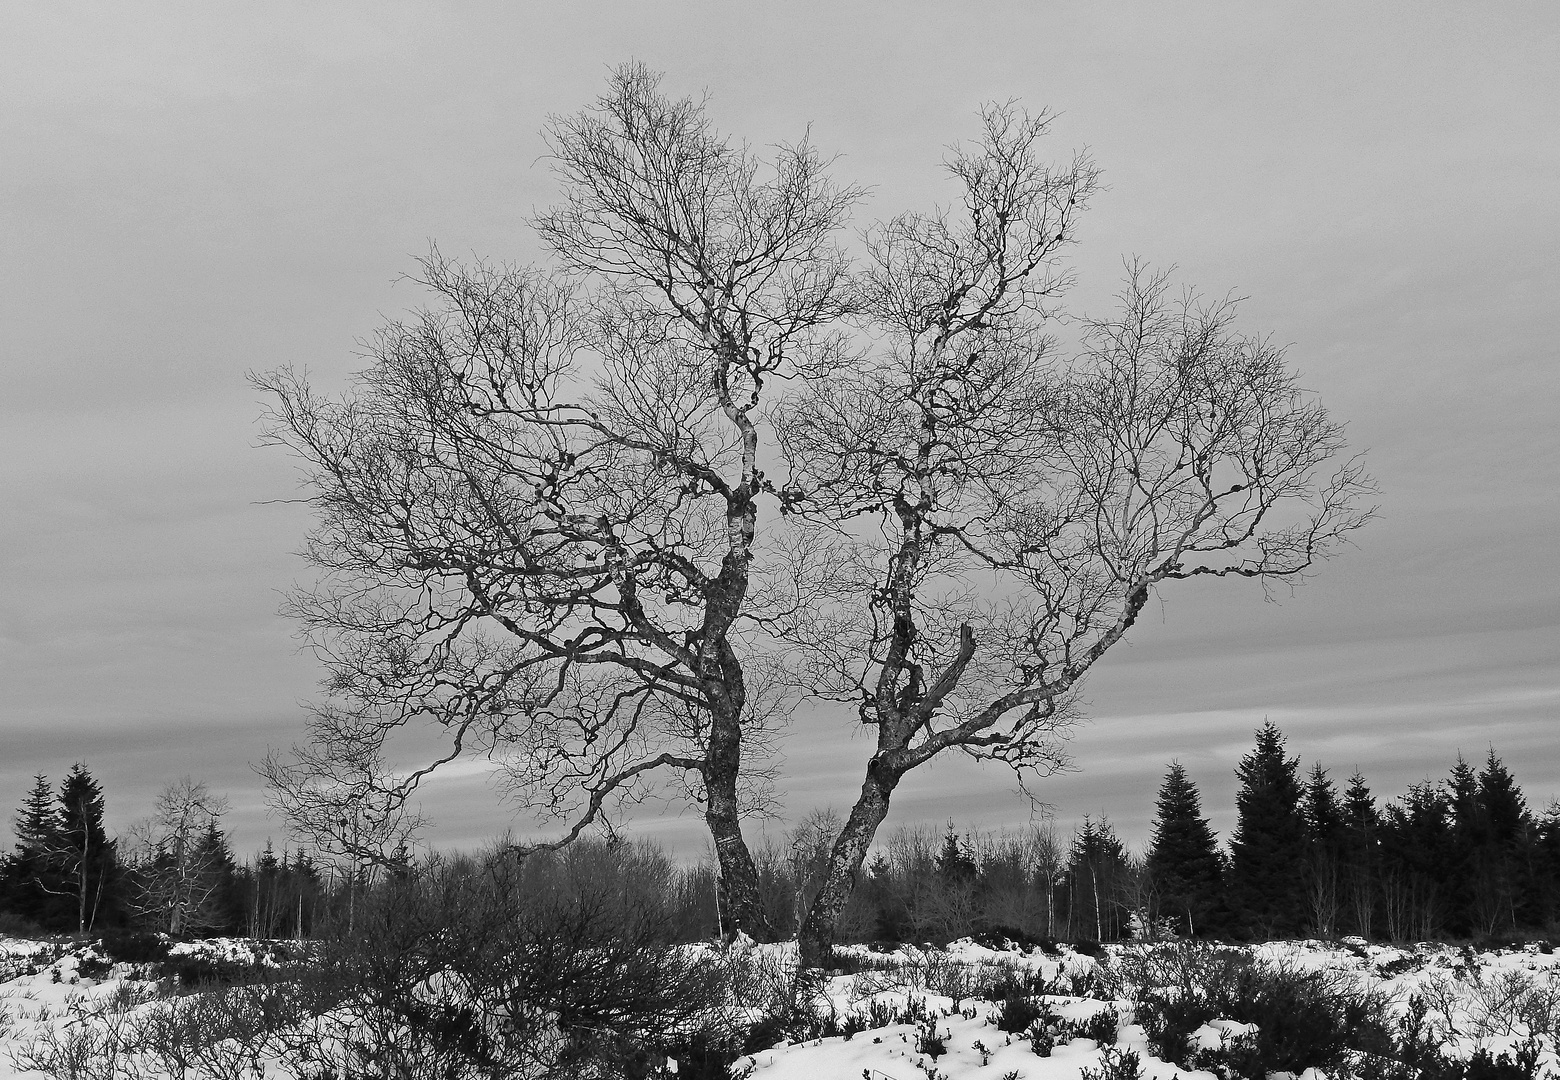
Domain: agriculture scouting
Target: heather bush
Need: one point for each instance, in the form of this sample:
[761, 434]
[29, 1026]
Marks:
[1018, 1014]
[1304, 1019]
[134, 947]
[1115, 1064]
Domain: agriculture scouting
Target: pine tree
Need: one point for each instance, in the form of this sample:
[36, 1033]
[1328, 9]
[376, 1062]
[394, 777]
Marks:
[222, 911]
[1505, 808]
[261, 884]
[1417, 847]
[954, 864]
[37, 822]
[1183, 856]
[86, 859]
[1359, 855]
[1267, 852]
[1506, 899]
[1359, 807]
[28, 881]
[1323, 815]
[1464, 847]
[1324, 826]
[1096, 875]
[1546, 846]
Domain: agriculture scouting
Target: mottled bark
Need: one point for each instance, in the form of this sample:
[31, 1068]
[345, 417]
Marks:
[850, 851]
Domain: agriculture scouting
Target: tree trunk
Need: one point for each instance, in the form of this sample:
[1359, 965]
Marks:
[741, 898]
[816, 939]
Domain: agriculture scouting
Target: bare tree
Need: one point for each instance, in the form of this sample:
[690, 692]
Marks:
[177, 874]
[1008, 514]
[539, 512]
[545, 523]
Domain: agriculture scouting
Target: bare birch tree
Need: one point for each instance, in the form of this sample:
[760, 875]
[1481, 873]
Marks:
[539, 513]
[178, 878]
[1008, 512]
[546, 527]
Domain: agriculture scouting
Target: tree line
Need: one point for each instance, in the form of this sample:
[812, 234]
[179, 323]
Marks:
[173, 872]
[1463, 858]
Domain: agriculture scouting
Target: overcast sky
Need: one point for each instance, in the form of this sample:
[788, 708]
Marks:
[190, 192]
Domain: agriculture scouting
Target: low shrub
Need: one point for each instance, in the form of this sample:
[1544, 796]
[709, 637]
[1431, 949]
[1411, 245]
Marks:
[1418, 1051]
[928, 1041]
[1002, 938]
[1011, 982]
[455, 974]
[201, 972]
[134, 947]
[1042, 1036]
[1019, 1013]
[1115, 1064]
[1305, 1019]
[93, 966]
[1104, 1027]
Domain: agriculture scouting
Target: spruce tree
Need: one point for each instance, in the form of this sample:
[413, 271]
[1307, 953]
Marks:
[954, 864]
[1096, 876]
[222, 910]
[1323, 815]
[1465, 847]
[1267, 852]
[1358, 845]
[29, 883]
[1325, 887]
[1359, 807]
[1505, 808]
[1183, 856]
[86, 859]
[1508, 898]
[1417, 848]
[1546, 847]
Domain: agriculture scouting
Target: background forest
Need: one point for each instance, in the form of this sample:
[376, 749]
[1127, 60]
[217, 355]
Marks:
[1465, 858]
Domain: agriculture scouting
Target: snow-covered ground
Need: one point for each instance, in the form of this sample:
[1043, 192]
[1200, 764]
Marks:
[908, 1015]
[1492, 1000]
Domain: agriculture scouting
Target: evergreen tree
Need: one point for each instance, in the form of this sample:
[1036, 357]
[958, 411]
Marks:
[1507, 893]
[1268, 848]
[37, 822]
[1325, 888]
[1463, 848]
[1546, 847]
[261, 885]
[1323, 815]
[1183, 856]
[28, 880]
[1097, 874]
[1417, 847]
[85, 859]
[223, 912]
[954, 864]
[1359, 807]
[1505, 808]
[1358, 844]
